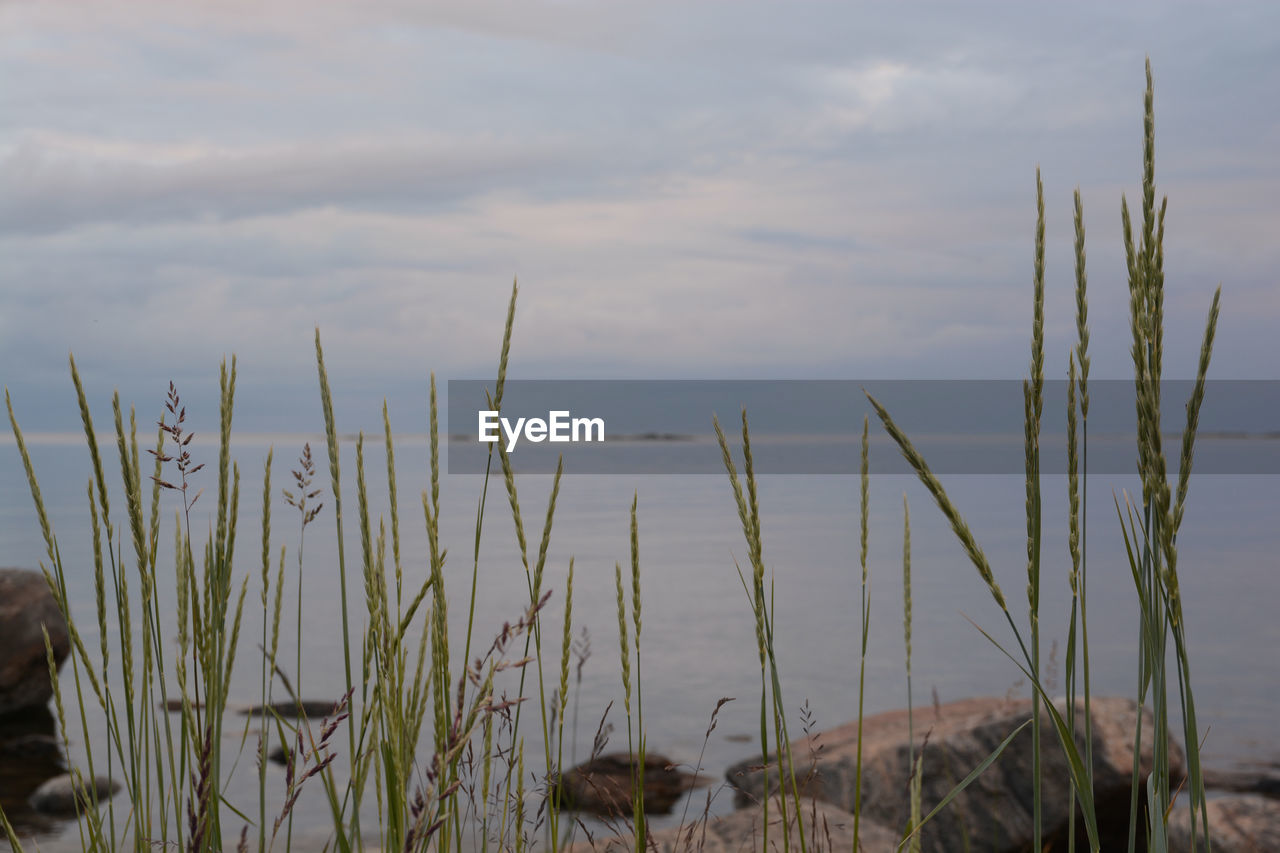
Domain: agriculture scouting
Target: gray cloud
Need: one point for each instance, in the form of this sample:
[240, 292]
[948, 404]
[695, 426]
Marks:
[51, 185]
[816, 190]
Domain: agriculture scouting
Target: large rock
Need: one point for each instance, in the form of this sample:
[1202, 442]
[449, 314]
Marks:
[826, 828]
[26, 605]
[605, 784]
[1241, 823]
[995, 812]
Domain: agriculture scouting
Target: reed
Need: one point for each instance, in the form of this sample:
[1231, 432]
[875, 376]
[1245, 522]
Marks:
[637, 783]
[335, 487]
[562, 698]
[917, 764]
[1151, 532]
[1150, 539]
[1078, 504]
[772, 706]
[168, 775]
[864, 611]
[173, 774]
[266, 672]
[1033, 393]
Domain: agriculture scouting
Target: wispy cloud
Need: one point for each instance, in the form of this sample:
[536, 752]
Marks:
[52, 183]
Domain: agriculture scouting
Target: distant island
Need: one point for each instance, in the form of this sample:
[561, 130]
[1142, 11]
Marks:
[468, 438]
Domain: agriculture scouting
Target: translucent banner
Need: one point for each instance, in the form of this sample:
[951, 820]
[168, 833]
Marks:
[815, 426]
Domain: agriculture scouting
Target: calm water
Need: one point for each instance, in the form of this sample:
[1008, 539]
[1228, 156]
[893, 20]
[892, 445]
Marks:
[698, 640]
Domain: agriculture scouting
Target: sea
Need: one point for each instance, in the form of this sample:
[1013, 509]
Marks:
[697, 633]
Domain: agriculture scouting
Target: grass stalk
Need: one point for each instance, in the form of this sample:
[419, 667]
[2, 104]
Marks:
[335, 487]
[637, 762]
[916, 765]
[267, 674]
[1073, 547]
[1079, 539]
[771, 701]
[1033, 391]
[1082, 358]
[864, 609]
[979, 560]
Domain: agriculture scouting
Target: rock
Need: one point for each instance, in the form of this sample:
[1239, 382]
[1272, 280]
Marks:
[743, 830]
[1240, 823]
[29, 748]
[29, 735]
[174, 706]
[303, 708]
[994, 813]
[25, 606]
[1261, 780]
[30, 753]
[603, 785]
[57, 796]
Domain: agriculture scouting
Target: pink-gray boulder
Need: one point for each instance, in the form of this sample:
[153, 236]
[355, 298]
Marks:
[26, 607]
[1240, 823]
[995, 812]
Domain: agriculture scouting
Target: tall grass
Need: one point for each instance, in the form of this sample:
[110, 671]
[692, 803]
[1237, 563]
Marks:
[403, 687]
[1077, 523]
[914, 793]
[864, 611]
[1033, 395]
[1150, 540]
[773, 717]
[397, 669]
[168, 773]
[1151, 531]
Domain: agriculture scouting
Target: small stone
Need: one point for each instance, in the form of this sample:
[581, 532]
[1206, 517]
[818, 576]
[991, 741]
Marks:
[604, 786]
[57, 796]
[174, 706]
[310, 708]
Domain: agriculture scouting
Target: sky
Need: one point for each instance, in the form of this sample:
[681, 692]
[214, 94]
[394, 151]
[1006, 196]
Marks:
[712, 190]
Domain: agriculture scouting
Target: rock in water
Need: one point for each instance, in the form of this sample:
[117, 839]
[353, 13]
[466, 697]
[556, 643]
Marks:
[57, 796]
[174, 706]
[30, 753]
[604, 785]
[994, 813]
[26, 605]
[1240, 823]
[825, 828]
[1264, 780]
[311, 708]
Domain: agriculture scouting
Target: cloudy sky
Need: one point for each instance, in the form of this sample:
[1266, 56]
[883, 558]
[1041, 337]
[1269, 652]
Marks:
[683, 190]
